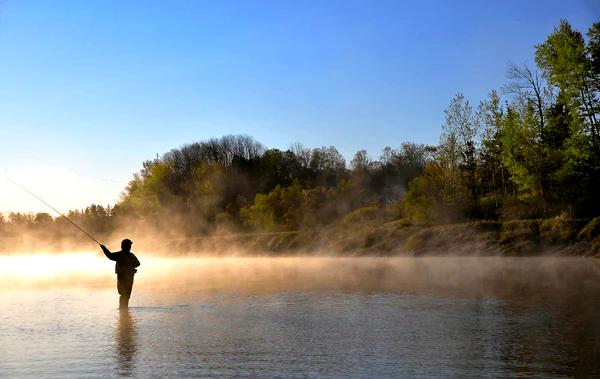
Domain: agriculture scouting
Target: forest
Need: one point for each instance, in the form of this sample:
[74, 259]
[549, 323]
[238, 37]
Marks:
[529, 151]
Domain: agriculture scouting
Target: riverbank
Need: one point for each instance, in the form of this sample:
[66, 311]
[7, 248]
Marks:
[555, 236]
[364, 236]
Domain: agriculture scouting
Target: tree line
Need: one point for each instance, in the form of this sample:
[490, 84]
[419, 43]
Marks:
[529, 150]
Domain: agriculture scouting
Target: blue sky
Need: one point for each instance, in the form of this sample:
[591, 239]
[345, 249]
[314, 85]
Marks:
[90, 89]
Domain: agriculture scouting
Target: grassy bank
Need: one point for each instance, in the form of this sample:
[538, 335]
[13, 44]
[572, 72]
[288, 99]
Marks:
[364, 234]
[556, 236]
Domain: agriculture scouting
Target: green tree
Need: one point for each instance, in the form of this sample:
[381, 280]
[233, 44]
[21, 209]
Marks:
[436, 196]
[492, 172]
[521, 150]
[568, 64]
[280, 209]
[459, 142]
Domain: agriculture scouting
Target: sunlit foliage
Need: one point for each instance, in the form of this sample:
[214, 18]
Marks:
[531, 151]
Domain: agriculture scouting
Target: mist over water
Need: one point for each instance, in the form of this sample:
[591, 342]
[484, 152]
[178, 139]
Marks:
[301, 316]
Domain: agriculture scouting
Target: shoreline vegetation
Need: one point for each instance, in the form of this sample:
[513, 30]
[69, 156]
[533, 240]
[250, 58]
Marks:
[364, 237]
[516, 175]
[371, 237]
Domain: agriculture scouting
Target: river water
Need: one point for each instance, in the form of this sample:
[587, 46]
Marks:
[302, 317]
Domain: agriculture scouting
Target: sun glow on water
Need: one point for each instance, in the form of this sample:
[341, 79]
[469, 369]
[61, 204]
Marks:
[48, 266]
[81, 268]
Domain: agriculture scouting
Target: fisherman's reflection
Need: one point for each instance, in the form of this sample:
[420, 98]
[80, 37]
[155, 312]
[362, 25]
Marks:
[126, 345]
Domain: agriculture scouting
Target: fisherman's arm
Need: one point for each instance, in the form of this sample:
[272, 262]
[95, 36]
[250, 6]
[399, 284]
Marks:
[108, 254]
[136, 262]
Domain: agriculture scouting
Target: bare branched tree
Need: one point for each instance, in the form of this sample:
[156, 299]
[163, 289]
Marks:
[528, 85]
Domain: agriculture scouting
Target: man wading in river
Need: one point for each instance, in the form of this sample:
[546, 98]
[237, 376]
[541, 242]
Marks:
[125, 269]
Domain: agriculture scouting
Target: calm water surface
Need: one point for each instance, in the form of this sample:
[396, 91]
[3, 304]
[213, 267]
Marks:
[308, 317]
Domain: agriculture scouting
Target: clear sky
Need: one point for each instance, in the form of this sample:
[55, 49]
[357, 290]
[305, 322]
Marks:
[90, 89]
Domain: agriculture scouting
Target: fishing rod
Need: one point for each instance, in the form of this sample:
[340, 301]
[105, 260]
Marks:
[51, 207]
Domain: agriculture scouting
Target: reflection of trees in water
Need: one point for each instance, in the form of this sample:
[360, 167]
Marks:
[580, 331]
[554, 330]
[125, 338]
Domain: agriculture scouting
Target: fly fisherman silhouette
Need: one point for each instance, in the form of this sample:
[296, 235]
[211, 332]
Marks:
[125, 268]
[126, 261]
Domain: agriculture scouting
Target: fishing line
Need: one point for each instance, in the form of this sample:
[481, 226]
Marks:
[50, 206]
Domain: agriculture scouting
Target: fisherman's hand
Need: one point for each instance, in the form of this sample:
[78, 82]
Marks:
[103, 247]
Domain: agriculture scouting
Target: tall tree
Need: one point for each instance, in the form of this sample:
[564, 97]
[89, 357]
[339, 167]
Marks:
[528, 84]
[492, 171]
[568, 64]
[360, 161]
[460, 139]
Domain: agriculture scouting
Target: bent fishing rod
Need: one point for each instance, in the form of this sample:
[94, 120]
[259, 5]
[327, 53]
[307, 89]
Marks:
[51, 207]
